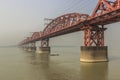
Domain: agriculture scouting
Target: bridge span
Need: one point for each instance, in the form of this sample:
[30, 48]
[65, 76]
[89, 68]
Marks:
[106, 12]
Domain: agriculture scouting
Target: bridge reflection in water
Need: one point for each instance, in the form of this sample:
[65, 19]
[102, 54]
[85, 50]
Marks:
[94, 71]
[53, 71]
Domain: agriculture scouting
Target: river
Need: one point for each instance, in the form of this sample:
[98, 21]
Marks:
[17, 64]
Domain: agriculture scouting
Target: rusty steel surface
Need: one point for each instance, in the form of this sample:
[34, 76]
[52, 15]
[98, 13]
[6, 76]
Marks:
[106, 12]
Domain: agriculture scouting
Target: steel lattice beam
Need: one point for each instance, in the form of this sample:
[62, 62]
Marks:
[106, 12]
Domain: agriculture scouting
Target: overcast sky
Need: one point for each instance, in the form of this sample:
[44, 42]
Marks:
[20, 17]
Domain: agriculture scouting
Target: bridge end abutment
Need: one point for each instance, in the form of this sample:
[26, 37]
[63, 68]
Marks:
[94, 54]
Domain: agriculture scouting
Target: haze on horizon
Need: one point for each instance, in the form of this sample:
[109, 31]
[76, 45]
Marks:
[20, 17]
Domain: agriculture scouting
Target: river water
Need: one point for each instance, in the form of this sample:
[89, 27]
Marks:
[17, 64]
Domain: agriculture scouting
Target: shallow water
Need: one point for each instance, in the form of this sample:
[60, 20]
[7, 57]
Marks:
[16, 64]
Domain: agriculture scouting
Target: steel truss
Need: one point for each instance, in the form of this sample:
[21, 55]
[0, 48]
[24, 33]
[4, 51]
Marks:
[45, 43]
[93, 35]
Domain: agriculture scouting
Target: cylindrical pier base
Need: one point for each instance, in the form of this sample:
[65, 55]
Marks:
[94, 54]
[32, 49]
[29, 49]
[44, 50]
[24, 48]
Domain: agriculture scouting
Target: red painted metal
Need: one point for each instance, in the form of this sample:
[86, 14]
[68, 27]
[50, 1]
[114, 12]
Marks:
[105, 6]
[106, 12]
[64, 22]
[94, 35]
[36, 36]
[45, 43]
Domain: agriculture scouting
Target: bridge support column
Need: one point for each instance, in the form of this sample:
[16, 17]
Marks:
[94, 49]
[43, 50]
[94, 54]
[25, 48]
[31, 47]
[44, 47]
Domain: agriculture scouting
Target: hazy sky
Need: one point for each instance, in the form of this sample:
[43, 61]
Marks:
[20, 17]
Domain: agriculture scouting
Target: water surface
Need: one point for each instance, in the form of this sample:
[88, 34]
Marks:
[16, 64]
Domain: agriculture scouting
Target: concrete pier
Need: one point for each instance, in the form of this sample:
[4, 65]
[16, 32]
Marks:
[44, 50]
[24, 48]
[31, 49]
[94, 54]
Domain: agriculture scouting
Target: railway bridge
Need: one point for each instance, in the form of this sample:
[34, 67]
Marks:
[106, 12]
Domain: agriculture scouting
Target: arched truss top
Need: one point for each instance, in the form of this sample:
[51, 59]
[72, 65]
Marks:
[36, 35]
[105, 6]
[64, 21]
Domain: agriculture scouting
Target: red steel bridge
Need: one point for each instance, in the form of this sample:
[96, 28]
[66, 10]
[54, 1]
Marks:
[106, 12]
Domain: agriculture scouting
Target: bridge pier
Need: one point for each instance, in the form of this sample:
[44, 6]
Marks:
[33, 49]
[25, 48]
[94, 49]
[44, 47]
[43, 50]
[29, 49]
[94, 54]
